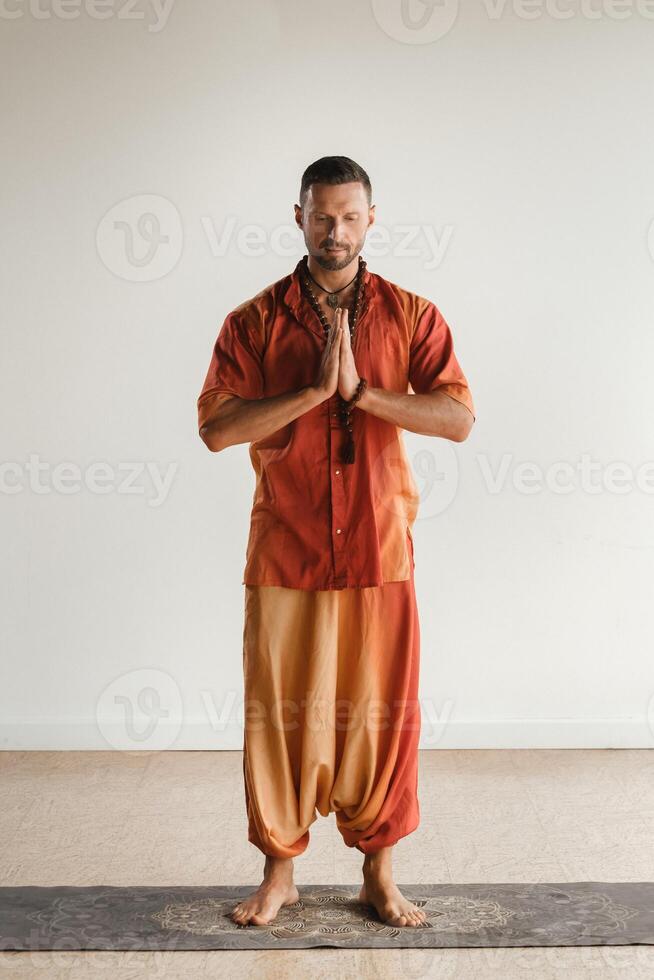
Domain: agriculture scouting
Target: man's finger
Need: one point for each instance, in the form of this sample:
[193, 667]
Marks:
[333, 332]
[336, 339]
[346, 330]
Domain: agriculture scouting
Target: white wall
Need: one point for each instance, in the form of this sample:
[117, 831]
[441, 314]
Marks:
[526, 148]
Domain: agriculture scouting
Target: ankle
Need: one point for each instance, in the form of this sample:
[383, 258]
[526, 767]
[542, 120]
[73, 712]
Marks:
[278, 868]
[377, 866]
[379, 873]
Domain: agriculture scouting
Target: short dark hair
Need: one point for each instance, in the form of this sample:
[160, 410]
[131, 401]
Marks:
[334, 170]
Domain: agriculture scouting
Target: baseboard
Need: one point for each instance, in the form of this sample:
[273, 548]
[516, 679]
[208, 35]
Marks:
[69, 734]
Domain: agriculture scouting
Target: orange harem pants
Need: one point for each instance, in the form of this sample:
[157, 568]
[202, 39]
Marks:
[332, 716]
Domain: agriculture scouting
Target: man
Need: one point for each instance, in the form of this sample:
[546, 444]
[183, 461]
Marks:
[314, 372]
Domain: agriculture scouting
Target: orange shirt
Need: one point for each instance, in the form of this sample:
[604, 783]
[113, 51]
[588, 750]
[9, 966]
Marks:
[317, 523]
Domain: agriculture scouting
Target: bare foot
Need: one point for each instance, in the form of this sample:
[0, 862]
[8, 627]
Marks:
[380, 891]
[276, 889]
[391, 905]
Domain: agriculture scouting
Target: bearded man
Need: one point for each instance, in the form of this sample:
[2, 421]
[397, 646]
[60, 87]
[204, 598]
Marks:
[320, 372]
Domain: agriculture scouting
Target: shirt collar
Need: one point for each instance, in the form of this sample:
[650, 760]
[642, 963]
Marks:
[294, 298]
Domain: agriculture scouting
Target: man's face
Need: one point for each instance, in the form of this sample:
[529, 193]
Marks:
[334, 222]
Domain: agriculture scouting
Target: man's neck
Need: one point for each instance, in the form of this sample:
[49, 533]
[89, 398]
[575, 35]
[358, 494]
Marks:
[333, 279]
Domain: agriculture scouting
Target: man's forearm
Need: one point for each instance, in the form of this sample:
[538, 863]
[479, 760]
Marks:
[245, 420]
[433, 414]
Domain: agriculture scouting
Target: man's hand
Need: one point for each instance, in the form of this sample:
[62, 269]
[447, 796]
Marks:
[348, 376]
[327, 379]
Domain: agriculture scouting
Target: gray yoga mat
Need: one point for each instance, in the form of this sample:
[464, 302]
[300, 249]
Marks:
[584, 913]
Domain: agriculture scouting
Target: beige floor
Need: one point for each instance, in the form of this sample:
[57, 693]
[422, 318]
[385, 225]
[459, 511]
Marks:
[147, 818]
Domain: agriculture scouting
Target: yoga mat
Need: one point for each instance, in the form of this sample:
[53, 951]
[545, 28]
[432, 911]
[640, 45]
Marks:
[104, 917]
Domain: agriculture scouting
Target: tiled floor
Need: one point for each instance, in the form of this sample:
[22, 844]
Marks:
[179, 817]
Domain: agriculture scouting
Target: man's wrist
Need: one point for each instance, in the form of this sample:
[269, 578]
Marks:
[354, 390]
[366, 398]
[313, 395]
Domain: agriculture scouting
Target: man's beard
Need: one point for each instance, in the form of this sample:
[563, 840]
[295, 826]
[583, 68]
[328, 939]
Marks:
[336, 262]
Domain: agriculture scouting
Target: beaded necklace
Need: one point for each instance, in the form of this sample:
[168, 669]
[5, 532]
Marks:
[359, 291]
[347, 455]
[332, 297]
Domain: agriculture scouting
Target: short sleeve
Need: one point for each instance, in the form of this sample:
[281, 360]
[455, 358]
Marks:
[432, 361]
[235, 367]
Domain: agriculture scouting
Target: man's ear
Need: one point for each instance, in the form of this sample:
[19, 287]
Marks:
[298, 215]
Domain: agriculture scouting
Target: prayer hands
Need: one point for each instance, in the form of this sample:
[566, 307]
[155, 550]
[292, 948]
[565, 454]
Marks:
[326, 382]
[348, 376]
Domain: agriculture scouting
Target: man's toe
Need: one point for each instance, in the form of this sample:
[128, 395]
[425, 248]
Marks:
[263, 917]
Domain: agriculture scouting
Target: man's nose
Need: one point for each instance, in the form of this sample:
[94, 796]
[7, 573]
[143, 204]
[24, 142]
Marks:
[336, 230]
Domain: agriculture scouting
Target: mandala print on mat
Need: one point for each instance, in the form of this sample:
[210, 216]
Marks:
[329, 913]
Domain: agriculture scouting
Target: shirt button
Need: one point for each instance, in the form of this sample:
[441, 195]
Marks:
[337, 471]
[334, 414]
[338, 530]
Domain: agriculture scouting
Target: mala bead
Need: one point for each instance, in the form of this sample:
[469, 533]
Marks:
[347, 455]
[359, 291]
